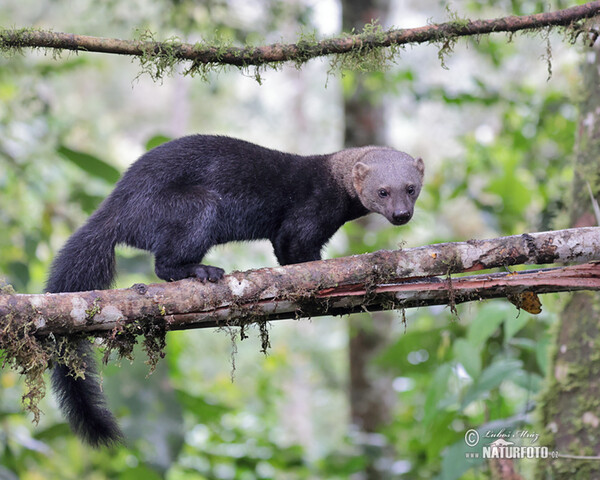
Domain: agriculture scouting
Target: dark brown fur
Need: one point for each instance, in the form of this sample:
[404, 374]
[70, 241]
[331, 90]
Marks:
[185, 196]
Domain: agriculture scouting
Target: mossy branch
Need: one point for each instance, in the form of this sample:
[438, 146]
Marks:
[34, 328]
[382, 280]
[203, 56]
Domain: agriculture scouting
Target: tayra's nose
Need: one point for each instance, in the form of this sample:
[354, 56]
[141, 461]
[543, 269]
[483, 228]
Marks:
[400, 217]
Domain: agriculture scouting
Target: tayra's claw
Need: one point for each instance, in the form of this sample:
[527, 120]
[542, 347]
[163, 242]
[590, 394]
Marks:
[207, 272]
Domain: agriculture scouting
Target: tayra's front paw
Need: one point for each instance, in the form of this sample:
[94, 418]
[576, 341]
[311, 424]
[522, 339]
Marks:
[207, 272]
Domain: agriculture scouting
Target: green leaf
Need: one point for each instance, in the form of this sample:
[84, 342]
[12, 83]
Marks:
[514, 193]
[532, 382]
[407, 356]
[55, 430]
[157, 140]
[513, 324]
[338, 464]
[486, 322]
[468, 355]
[454, 462]
[88, 203]
[203, 410]
[525, 344]
[19, 274]
[491, 378]
[138, 472]
[437, 390]
[91, 164]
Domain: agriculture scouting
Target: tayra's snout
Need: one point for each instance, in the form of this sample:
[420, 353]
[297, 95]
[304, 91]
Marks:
[400, 217]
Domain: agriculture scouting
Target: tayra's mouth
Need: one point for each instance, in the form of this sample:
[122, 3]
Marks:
[399, 221]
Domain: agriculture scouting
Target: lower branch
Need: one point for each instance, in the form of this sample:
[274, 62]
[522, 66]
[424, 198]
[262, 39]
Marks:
[382, 280]
[410, 293]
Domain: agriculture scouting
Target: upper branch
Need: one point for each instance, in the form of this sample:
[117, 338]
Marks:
[303, 50]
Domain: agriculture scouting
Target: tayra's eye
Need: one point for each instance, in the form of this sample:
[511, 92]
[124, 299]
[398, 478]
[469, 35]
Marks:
[383, 192]
[411, 190]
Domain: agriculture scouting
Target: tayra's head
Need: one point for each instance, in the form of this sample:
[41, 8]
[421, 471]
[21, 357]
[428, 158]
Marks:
[388, 182]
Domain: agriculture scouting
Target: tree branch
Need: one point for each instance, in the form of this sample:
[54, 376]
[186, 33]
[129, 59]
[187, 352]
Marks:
[382, 280]
[371, 38]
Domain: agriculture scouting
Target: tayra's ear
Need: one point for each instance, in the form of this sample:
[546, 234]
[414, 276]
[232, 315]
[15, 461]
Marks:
[359, 173]
[420, 166]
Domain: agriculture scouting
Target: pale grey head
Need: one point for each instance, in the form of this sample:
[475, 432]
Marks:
[388, 182]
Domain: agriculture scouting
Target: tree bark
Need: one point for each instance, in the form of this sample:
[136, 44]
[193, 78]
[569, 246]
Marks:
[568, 409]
[101, 311]
[376, 281]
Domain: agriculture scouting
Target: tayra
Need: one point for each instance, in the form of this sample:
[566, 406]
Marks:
[183, 197]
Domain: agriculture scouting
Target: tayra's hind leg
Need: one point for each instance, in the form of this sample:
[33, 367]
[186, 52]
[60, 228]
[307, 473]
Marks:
[169, 271]
[184, 243]
[180, 258]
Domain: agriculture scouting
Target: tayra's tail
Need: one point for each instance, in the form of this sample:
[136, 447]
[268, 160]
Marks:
[86, 262]
[82, 402]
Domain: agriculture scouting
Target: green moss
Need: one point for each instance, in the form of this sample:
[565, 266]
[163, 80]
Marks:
[588, 28]
[123, 338]
[158, 58]
[445, 50]
[373, 53]
[548, 53]
[154, 343]
[265, 341]
[6, 288]
[244, 316]
[306, 45]
[370, 56]
[234, 349]
[452, 297]
[203, 70]
[12, 41]
[91, 312]
[30, 356]
[22, 352]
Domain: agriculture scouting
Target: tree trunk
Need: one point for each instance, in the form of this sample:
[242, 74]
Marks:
[569, 409]
[371, 393]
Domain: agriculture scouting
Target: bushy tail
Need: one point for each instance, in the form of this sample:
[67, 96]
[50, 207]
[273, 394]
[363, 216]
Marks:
[86, 262]
[82, 402]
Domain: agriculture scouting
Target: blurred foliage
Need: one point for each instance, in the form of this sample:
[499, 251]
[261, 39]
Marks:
[68, 126]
